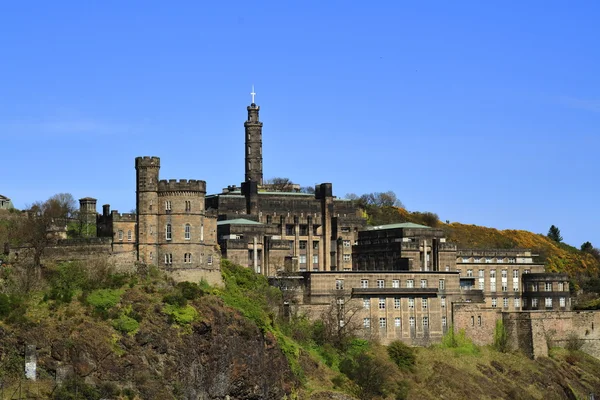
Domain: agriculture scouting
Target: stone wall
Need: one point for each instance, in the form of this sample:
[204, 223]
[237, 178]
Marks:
[476, 320]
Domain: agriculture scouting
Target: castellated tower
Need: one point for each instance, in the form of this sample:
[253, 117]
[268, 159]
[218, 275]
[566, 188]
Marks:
[146, 204]
[173, 230]
[253, 127]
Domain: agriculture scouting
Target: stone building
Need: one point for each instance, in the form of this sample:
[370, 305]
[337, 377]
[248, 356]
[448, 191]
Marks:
[273, 230]
[5, 203]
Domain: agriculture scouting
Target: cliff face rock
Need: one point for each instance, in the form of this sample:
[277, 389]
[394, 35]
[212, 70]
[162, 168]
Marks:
[221, 354]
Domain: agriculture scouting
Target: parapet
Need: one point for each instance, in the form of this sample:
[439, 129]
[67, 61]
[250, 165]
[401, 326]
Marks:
[147, 161]
[183, 185]
[125, 217]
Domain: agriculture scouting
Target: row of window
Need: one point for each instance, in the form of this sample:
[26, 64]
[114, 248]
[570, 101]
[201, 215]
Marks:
[129, 236]
[381, 283]
[489, 259]
[562, 301]
[548, 286]
[397, 304]
[168, 209]
[187, 258]
[398, 322]
[187, 232]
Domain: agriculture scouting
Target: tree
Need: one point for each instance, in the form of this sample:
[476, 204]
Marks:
[38, 228]
[339, 320]
[554, 234]
[307, 189]
[279, 184]
[587, 247]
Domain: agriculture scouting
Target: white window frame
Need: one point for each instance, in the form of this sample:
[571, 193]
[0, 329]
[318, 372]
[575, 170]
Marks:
[168, 232]
[188, 232]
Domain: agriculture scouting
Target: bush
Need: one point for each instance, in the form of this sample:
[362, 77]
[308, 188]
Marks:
[500, 338]
[190, 290]
[459, 342]
[67, 279]
[402, 355]
[104, 299]
[76, 389]
[573, 342]
[181, 315]
[125, 324]
[175, 299]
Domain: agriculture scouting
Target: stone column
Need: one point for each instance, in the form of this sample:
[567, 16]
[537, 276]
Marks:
[309, 248]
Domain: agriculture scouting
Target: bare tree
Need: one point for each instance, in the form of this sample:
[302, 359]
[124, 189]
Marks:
[279, 184]
[340, 319]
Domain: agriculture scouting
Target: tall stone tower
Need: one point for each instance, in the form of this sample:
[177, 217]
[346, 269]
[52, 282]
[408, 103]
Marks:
[254, 170]
[146, 182]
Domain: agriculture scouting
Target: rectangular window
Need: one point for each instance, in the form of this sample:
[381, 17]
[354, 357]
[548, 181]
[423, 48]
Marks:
[209, 260]
[492, 274]
[425, 322]
[188, 232]
[382, 323]
[397, 322]
[395, 283]
[382, 303]
[469, 273]
[411, 321]
[315, 245]
[481, 284]
[339, 284]
[168, 233]
[481, 273]
[290, 230]
[548, 286]
[561, 287]
[443, 301]
[424, 303]
[367, 322]
[396, 302]
[423, 283]
[504, 274]
[534, 303]
[303, 245]
[479, 320]
[121, 235]
[444, 323]
[367, 302]
[494, 302]
[188, 206]
[380, 283]
[364, 283]
[303, 230]
[346, 257]
[548, 302]
[129, 236]
[517, 302]
[410, 283]
[315, 259]
[562, 302]
[302, 259]
[442, 284]
[504, 286]
[346, 243]
[515, 274]
[505, 302]
[167, 206]
[411, 302]
[168, 259]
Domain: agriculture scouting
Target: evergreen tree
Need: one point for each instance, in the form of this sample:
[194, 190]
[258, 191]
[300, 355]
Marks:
[554, 234]
[587, 247]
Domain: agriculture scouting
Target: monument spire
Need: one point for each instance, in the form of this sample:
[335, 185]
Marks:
[253, 94]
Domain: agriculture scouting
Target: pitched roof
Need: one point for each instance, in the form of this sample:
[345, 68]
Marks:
[405, 225]
[238, 221]
[4, 198]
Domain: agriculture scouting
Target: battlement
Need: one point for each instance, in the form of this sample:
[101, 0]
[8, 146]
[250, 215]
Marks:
[147, 161]
[125, 217]
[182, 185]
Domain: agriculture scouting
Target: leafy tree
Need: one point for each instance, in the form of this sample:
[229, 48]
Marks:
[500, 337]
[554, 234]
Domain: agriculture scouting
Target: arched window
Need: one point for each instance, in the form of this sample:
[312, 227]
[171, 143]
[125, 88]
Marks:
[188, 232]
[168, 232]
[121, 235]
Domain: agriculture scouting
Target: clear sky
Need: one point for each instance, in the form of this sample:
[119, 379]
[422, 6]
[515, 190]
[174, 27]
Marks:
[486, 113]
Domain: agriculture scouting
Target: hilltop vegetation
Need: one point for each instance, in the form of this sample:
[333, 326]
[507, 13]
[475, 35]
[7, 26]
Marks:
[583, 266]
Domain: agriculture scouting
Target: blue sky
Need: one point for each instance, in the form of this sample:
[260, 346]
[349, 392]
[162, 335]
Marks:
[486, 113]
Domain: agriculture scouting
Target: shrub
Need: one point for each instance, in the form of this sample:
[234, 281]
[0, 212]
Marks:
[402, 355]
[76, 389]
[5, 306]
[125, 324]
[181, 315]
[573, 342]
[104, 299]
[190, 290]
[459, 342]
[175, 299]
[500, 337]
[65, 280]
